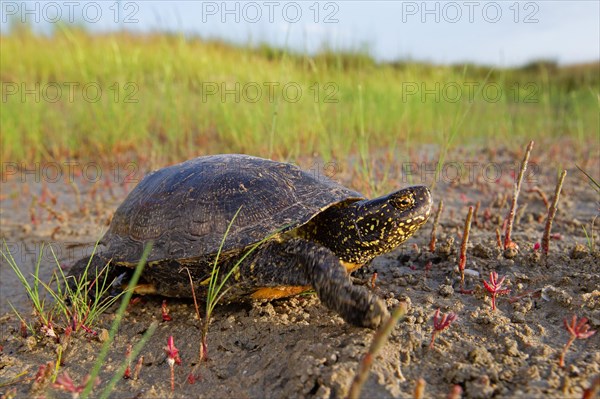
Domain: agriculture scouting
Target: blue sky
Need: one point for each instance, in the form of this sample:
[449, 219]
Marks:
[503, 33]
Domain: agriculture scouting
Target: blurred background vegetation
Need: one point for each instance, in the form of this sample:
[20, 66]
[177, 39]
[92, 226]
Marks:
[170, 97]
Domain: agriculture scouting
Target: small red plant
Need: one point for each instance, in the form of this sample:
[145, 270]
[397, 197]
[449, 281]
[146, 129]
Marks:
[440, 324]
[494, 287]
[65, 383]
[578, 330]
[127, 374]
[193, 378]
[165, 311]
[172, 358]
[42, 377]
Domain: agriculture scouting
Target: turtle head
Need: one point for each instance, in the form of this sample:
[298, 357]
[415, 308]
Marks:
[408, 208]
[386, 222]
[365, 229]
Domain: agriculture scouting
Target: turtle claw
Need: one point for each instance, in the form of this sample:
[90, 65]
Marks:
[364, 309]
[376, 315]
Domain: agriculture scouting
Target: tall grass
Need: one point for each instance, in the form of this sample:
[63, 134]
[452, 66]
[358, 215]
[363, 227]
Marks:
[156, 93]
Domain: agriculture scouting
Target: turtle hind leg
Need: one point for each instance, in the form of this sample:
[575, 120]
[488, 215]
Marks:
[299, 262]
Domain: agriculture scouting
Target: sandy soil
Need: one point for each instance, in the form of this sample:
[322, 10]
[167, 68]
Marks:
[297, 348]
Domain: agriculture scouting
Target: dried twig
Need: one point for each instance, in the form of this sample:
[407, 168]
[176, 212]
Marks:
[201, 351]
[498, 239]
[138, 368]
[420, 389]
[551, 215]
[379, 339]
[463, 248]
[508, 243]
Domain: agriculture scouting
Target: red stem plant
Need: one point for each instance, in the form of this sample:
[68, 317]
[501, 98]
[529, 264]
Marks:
[440, 325]
[434, 227]
[508, 243]
[577, 330]
[494, 287]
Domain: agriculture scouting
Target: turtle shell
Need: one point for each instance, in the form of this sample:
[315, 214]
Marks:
[185, 209]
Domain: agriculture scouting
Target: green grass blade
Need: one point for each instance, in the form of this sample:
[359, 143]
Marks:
[593, 182]
[116, 323]
[134, 352]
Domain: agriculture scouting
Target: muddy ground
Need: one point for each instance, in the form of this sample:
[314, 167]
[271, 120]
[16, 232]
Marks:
[297, 348]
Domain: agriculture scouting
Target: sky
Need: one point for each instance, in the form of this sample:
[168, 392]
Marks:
[500, 33]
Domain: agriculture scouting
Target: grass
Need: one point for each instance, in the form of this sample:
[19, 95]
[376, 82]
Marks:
[75, 304]
[216, 283]
[36, 297]
[156, 92]
[215, 289]
[116, 323]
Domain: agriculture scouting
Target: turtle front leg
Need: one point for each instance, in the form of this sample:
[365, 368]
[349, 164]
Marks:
[299, 262]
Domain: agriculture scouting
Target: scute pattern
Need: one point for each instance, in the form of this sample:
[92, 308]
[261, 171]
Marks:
[185, 209]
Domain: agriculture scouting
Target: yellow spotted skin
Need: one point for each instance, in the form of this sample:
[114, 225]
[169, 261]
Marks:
[359, 231]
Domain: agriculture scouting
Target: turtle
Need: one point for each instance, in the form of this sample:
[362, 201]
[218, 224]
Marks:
[295, 231]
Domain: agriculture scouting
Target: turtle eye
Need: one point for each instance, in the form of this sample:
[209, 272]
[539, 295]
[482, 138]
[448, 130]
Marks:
[403, 202]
